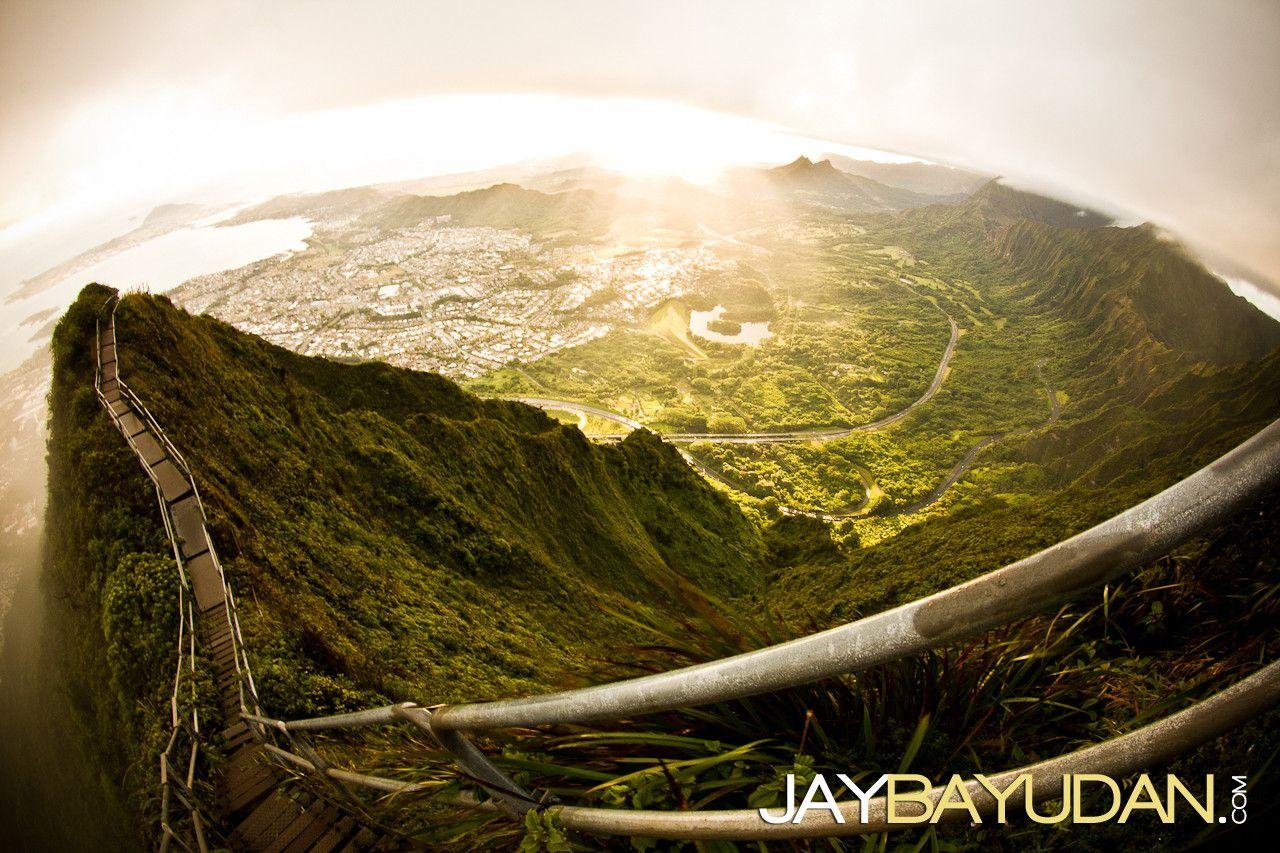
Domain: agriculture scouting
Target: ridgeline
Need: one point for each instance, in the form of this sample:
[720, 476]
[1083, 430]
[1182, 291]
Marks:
[391, 537]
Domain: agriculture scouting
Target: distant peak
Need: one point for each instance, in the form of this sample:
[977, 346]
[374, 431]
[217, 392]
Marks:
[803, 163]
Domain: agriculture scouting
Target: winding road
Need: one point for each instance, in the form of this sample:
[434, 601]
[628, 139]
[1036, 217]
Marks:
[962, 467]
[821, 434]
[818, 434]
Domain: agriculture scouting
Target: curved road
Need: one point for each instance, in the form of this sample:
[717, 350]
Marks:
[962, 467]
[816, 435]
[809, 435]
[783, 437]
[579, 409]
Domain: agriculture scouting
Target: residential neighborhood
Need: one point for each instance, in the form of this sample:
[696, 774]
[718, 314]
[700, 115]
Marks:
[442, 297]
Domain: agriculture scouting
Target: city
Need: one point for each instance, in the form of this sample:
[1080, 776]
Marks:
[453, 299]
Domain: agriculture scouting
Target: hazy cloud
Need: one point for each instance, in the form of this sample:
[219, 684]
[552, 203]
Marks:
[1170, 109]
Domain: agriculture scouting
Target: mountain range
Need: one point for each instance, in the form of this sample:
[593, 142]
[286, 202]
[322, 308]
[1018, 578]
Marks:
[401, 539]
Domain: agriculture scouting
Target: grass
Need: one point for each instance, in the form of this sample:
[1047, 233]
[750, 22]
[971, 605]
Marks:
[1174, 632]
[861, 323]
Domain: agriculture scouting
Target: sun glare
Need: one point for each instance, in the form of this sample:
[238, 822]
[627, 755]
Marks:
[154, 149]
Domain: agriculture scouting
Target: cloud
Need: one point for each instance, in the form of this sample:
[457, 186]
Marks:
[1169, 109]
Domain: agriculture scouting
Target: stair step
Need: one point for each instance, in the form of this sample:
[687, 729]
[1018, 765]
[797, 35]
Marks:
[149, 448]
[335, 836]
[322, 822]
[361, 841]
[225, 664]
[215, 629]
[221, 645]
[173, 483]
[130, 424]
[235, 729]
[310, 822]
[222, 673]
[205, 580]
[245, 789]
[188, 521]
[267, 820]
[239, 740]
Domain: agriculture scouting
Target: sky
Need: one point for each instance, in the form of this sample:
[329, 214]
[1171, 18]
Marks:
[1169, 109]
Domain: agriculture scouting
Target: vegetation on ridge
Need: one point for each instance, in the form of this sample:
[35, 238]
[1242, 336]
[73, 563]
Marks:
[392, 537]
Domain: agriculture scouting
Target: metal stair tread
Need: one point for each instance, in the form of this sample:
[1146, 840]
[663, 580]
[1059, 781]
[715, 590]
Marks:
[310, 815]
[267, 819]
[148, 448]
[130, 424]
[335, 836]
[205, 581]
[322, 823]
[173, 484]
[188, 522]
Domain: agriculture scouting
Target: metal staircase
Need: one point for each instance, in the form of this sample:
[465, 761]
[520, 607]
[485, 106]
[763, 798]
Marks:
[255, 805]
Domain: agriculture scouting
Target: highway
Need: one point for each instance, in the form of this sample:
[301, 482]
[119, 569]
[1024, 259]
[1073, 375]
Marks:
[962, 467]
[816, 434]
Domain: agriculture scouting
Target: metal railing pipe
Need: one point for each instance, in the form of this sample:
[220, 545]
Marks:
[370, 717]
[1056, 574]
[1150, 746]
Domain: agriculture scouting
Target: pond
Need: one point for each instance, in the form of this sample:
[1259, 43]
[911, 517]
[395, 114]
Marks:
[750, 333]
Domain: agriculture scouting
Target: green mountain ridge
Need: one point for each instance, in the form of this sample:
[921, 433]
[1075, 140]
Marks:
[1127, 280]
[398, 538]
[998, 201]
[392, 537]
[1179, 303]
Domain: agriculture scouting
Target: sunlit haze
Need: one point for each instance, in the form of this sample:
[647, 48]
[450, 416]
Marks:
[1172, 116]
[167, 149]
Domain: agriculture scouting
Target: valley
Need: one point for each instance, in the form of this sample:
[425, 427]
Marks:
[891, 373]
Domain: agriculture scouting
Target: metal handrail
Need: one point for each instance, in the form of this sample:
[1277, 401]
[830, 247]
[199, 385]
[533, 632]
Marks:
[1028, 586]
[186, 641]
[1151, 745]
